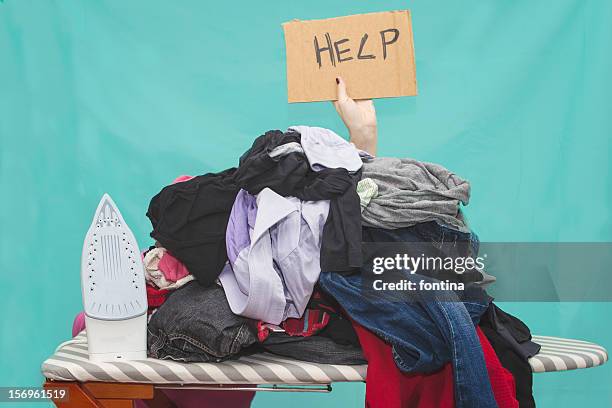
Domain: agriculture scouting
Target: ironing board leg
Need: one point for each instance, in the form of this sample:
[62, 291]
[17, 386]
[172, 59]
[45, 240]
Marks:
[106, 395]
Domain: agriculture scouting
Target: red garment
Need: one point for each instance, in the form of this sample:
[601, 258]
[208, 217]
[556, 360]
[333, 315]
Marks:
[387, 387]
[310, 323]
[502, 381]
[156, 297]
[315, 318]
[263, 331]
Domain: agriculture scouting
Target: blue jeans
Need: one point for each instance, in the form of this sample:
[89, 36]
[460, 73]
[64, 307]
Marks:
[424, 335]
[196, 324]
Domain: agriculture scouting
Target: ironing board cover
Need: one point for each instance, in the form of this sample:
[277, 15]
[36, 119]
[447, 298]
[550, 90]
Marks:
[70, 363]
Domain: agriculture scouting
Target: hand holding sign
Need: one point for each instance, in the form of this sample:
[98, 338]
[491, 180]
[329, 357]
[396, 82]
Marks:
[372, 52]
[359, 117]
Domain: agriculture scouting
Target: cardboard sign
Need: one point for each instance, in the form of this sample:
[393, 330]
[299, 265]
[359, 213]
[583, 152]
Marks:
[373, 53]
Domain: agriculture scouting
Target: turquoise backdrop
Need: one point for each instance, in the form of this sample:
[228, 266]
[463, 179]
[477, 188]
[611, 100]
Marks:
[122, 96]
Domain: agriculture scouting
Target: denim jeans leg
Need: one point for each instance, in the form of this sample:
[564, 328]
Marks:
[472, 384]
[424, 334]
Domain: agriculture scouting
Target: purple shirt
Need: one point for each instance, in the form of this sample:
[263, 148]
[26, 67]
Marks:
[273, 246]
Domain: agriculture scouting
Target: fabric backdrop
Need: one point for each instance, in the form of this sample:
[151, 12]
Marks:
[122, 96]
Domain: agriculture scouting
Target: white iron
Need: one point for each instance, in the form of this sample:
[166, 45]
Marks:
[113, 286]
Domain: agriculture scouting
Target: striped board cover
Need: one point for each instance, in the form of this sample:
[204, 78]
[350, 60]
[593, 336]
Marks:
[70, 363]
[558, 354]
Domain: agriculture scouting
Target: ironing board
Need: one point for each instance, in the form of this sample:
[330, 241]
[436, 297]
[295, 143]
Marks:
[116, 384]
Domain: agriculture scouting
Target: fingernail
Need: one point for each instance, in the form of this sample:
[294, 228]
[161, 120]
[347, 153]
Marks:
[337, 81]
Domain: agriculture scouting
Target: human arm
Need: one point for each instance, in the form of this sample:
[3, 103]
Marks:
[359, 116]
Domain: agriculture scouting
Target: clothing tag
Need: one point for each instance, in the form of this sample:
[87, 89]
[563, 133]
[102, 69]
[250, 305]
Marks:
[274, 328]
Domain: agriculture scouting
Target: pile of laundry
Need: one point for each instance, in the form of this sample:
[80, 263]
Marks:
[270, 256]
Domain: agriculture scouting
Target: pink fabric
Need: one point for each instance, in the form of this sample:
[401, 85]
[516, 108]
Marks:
[172, 268]
[180, 179]
[206, 399]
[78, 325]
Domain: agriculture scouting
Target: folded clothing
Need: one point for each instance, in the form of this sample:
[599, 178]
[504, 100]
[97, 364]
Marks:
[195, 324]
[410, 191]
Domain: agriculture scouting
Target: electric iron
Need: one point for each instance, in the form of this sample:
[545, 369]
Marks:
[113, 287]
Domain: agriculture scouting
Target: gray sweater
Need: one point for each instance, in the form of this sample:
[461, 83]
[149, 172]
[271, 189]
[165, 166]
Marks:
[411, 192]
